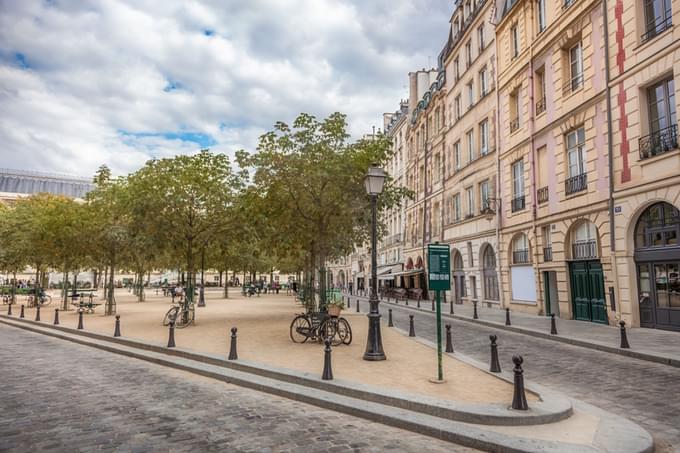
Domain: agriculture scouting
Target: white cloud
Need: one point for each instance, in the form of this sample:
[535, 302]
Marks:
[86, 83]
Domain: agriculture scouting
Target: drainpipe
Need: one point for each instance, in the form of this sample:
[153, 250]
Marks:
[425, 193]
[610, 156]
[499, 255]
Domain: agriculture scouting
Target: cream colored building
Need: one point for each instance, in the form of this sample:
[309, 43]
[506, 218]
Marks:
[469, 172]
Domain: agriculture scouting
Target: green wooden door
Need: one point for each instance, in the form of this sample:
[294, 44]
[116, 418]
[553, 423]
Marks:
[587, 291]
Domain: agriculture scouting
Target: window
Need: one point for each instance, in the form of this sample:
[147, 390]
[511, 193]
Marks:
[473, 284]
[514, 41]
[471, 260]
[547, 243]
[456, 207]
[437, 168]
[658, 17]
[484, 194]
[489, 272]
[575, 150]
[540, 7]
[484, 137]
[482, 82]
[471, 145]
[520, 249]
[543, 174]
[662, 120]
[458, 276]
[514, 110]
[456, 104]
[471, 94]
[470, 196]
[517, 186]
[659, 226]
[456, 155]
[468, 53]
[576, 66]
[584, 243]
[480, 38]
[540, 90]
[456, 70]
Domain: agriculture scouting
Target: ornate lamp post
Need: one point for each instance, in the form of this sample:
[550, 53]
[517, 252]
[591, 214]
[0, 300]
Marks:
[374, 181]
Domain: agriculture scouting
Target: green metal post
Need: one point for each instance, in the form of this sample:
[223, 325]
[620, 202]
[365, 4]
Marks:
[440, 372]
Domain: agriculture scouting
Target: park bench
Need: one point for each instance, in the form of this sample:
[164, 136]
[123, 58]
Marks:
[84, 300]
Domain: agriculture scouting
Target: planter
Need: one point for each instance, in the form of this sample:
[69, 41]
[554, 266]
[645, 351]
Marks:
[334, 310]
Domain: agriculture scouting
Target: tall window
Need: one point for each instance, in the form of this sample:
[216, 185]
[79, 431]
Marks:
[456, 104]
[456, 70]
[471, 94]
[663, 129]
[576, 66]
[659, 226]
[658, 17]
[518, 179]
[456, 207]
[480, 37]
[576, 140]
[482, 82]
[471, 145]
[514, 110]
[514, 41]
[470, 196]
[484, 137]
[540, 7]
[547, 243]
[489, 271]
[540, 90]
[484, 194]
[468, 53]
[456, 155]
[520, 249]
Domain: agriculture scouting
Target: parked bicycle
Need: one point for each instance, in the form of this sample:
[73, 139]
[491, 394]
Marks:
[319, 326]
[41, 300]
[183, 314]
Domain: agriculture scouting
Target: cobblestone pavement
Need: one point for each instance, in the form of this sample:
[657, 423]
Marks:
[60, 396]
[644, 392]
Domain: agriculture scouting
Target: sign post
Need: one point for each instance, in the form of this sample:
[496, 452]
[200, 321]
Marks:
[439, 279]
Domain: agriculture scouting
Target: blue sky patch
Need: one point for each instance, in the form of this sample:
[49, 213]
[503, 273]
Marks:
[20, 59]
[202, 140]
[208, 32]
[173, 85]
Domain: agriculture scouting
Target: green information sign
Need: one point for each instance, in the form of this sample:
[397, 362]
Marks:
[439, 267]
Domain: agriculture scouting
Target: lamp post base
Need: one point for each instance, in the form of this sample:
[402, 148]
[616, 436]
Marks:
[374, 350]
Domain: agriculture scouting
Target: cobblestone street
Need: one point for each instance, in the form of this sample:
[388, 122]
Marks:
[59, 396]
[644, 392]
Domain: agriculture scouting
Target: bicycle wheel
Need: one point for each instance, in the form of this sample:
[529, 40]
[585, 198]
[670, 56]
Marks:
[329, 329]
[171, 315]
[300, 329]
[45, 300]
[344, 331]
[185, 317]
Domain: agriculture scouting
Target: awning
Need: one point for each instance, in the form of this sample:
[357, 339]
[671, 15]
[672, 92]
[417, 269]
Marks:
[386, 277]
[408, 272]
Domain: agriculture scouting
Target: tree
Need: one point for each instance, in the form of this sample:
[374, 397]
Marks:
[12, 256]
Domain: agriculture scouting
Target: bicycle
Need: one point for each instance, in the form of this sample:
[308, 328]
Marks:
[319, 326]
[44, 300]
[182, 314]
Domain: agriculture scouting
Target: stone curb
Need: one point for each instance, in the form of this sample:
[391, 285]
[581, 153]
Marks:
[561, 338]
[617, 434]
[551, 408]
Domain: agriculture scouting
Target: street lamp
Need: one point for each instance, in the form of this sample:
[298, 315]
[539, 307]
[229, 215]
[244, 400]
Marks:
[374, 181]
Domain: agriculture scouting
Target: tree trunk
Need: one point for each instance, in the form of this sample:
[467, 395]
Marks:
[14, 288]
[64, 291]
[110, 310]
[220, 283]
[226, 283]
[190, 272]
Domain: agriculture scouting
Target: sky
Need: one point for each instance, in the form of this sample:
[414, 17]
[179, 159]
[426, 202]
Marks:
[85, 83]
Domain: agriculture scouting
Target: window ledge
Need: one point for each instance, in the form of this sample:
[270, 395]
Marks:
[523, 302]
[658, 157]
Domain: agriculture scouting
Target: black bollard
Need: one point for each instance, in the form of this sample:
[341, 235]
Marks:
[495, 364]
[21, 314]
[507, 316]
[411, 327]
[389, 318]
[116, 331]
[37, 313]
[358, 306]
[407, 301]
[624, 336]
[474, 310]
[56, 316]
[418, 301]
[80, 318]
[232, 350]
[451, 307]
[449, 342]
[349, 303]
[553, 325]
[327, 370]
[171, 335]
[432, 304]
[519, 399]
[9, 309]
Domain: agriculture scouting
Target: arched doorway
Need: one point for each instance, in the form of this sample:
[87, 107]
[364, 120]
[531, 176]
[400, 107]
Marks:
[341, 278]
[489, 273]
[657, 258]
[458, 277]
[586, 274]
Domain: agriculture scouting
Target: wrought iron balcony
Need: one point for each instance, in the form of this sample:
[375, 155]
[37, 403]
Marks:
[576, 184]
[547, 253]
[584, 249]
[518, 203]
[542, 195]
[520, 256]
[573, 84]
[656, 28]
[514, 125]
[659, 142]
[540, 106]
[567, 3]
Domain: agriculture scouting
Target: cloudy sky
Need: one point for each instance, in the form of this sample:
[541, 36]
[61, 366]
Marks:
[84, 83]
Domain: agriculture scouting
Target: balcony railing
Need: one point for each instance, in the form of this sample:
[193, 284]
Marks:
[547, 253]
[518, 203]
[573, 84]
[542, 195]
[567, 3]
[584, 249]
[659, 142]
[520, 256]
[576, 184]
[514, 125]
[540, 106]
[656, 28]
